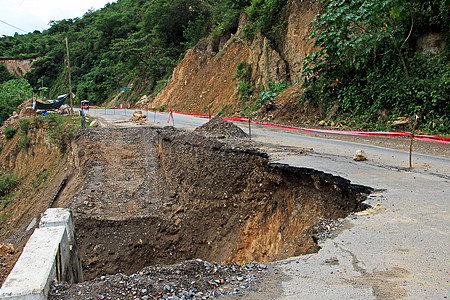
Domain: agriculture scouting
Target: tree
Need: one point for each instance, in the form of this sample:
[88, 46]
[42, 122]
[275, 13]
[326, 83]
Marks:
[349, 34]
[12, 94]
[366, 60]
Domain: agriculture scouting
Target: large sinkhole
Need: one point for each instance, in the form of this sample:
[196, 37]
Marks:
[162, 196]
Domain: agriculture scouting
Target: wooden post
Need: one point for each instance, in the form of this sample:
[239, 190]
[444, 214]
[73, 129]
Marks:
[209, 111]
[411, 144]
[173, 120]
[70, 82]
[249, 127]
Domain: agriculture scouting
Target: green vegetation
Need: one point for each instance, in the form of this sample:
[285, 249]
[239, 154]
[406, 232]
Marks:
[60, 129]
[10, 132]
[24, 140]
[268, 17]
[269, 94]
[131, 40]
[245, 85]
[40, 178]
[225, 111]
[5, 75]
[7, 184]
[367, 62]
[12, 94]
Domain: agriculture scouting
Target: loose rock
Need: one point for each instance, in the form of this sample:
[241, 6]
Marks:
[360, 155]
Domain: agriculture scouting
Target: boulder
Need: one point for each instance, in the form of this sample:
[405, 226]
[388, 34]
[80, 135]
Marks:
[138, 116]
[360, 155]
[64, 110]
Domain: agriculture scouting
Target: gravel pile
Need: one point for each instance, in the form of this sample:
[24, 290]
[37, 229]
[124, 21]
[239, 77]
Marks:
[326, 228]
[221, 128]
[193, 279]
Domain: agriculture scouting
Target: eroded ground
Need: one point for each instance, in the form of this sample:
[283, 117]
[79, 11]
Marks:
[162, 196]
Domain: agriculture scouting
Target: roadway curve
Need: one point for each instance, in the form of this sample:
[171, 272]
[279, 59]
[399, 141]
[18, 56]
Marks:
[398, 250]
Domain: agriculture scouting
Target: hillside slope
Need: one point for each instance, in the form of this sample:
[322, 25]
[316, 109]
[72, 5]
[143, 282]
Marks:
[206, 78]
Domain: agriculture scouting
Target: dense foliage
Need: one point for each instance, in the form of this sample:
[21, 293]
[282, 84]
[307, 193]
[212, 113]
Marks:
[13, 93]
[128, 41]
[368, 63]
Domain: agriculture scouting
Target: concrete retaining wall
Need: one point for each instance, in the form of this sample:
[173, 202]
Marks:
[50, 254]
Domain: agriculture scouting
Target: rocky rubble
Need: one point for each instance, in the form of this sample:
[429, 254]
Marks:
[138, 116]
[327, 228]
[193, 279]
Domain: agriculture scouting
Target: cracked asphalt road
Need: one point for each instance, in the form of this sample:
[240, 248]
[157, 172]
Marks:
[399, 250]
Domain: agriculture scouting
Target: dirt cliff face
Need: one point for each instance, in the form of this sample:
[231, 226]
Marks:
[18, 67]
[206, 78]
[296, 45]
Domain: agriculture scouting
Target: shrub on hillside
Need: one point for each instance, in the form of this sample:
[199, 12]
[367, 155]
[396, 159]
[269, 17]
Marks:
[10, 132]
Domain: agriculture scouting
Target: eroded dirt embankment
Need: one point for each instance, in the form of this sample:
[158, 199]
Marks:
[153, 196]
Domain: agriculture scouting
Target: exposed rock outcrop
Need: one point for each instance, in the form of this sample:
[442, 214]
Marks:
[18, 67]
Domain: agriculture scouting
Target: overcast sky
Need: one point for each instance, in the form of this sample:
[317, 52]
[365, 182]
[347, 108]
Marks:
[31, 15]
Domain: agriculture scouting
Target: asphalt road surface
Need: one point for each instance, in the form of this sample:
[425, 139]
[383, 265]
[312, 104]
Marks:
[398, 250]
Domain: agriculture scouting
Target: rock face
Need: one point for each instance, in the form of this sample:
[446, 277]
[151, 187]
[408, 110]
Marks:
[296, 45]
[18, 67]
[432, 42]
[205, 81]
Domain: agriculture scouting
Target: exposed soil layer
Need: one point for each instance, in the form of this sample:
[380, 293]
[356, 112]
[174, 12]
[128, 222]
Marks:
[163, 196]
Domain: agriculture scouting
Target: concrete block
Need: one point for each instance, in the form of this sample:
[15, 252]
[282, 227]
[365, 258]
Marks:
[58, 217]
[41, 262]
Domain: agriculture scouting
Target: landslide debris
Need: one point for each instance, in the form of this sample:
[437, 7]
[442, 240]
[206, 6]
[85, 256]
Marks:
[193, 279]
[220, 128]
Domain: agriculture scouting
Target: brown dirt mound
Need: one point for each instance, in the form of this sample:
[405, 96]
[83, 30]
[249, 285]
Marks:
[219, 127]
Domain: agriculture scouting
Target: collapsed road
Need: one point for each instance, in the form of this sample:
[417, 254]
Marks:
[397, 249]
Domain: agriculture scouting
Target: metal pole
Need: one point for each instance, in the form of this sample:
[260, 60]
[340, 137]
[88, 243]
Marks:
[249, 128]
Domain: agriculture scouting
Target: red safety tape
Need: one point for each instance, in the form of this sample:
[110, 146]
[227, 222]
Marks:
[195, 115]
[429, 138]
